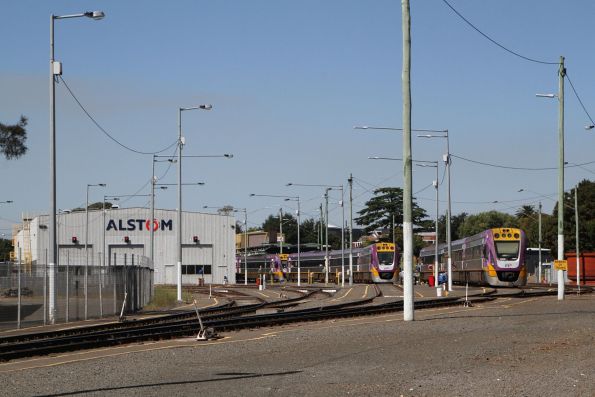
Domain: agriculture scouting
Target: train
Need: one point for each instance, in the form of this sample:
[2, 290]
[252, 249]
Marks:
[375, 263]
[494, 257]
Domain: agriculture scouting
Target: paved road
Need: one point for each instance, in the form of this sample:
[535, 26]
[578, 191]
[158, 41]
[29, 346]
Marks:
[511, 347]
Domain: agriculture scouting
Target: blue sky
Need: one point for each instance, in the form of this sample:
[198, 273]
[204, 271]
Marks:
[288, 80]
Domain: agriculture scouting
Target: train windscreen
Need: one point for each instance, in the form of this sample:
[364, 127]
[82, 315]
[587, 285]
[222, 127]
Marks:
[507, 249]
[385, 258]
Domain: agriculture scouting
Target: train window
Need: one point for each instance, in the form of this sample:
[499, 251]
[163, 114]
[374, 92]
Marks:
[385, 258]
[507, 249]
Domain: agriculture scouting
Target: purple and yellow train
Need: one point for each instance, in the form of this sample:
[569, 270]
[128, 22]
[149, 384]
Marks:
[495, 257]
[376, 263]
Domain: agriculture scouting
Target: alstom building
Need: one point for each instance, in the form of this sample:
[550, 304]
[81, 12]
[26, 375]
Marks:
[123, 237]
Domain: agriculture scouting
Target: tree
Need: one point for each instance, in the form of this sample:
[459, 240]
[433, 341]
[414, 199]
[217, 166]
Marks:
[526, 211]
[271, 226]
[455, 223]
[386, 203]
[5, 249]
[474, 224]
[12, 139]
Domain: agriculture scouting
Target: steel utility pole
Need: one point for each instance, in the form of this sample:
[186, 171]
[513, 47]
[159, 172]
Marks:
[561, 74]
[408, 314]
[578, 256]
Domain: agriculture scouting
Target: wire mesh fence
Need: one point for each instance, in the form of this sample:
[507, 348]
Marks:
[85, 287]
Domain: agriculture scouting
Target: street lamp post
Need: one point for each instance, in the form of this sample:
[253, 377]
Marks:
[86, 245]
[327, 189]
[245, 211]
[433, 164]
[447, 160]
[561, 75]
[181, 142]
[435, 183]
[290, 198]
[56, 70]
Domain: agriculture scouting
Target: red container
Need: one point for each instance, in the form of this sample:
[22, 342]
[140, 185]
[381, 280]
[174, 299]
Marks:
[431, 281]
[586, 267]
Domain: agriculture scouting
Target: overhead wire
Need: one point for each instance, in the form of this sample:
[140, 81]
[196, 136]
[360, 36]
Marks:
[520, 168]
[494, 41]
[579, 99]
[104, 131]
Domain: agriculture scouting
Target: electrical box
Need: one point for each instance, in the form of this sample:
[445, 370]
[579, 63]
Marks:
[57, 66]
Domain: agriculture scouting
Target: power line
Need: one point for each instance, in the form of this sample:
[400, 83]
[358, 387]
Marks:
[519, 168]
[494, 41]
[104, 131]
[579, 99]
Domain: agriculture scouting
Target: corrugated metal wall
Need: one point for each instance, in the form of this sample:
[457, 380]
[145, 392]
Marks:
[216, 235]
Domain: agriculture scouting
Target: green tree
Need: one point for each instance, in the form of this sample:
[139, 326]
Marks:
[455, 224]
[12, 139]
[586, 216]
[271, 226]
[5, 249]
[386, 204]
[474, 224]
[309, 231]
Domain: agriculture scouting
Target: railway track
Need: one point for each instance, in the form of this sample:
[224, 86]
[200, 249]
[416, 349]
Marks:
[224, 318]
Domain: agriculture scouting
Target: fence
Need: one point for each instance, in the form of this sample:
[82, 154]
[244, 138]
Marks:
[84, 288]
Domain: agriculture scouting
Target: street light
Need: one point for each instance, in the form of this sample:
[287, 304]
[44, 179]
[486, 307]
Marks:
[290, 198]
[447, 160]
[424, 163]
[245, 211]
[86, 242]
[56, 70]
[6, 202]
[539, 242]
[560, 96]
[327, 189]
[181, 142]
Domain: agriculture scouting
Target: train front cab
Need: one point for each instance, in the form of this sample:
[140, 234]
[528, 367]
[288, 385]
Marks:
[507, 267]
[384, 264]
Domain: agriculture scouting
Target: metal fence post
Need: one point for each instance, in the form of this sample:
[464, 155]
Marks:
[100, 286]
[19, 291]
[113, 267]
[67, 285]
[45, 284]
[125, 278]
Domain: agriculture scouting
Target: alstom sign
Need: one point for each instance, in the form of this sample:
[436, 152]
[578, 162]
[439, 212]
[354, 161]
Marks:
[138, 224]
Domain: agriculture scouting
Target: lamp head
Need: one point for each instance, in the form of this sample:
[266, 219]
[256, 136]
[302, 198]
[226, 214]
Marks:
[96, 15]
[228, 155]
[252, 195]
[589, 127]
[206, 107]
[101, 184]
[289, 184]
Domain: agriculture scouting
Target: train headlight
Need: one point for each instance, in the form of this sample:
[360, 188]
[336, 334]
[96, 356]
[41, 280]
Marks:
[497, 235]
[516, 235]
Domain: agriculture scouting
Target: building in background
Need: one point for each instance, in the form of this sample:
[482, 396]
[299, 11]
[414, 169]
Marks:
[123, 235]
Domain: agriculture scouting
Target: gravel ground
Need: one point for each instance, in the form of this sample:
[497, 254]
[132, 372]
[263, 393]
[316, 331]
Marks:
[511, 347]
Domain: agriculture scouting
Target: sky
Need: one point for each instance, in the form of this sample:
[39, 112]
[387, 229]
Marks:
[288, 80]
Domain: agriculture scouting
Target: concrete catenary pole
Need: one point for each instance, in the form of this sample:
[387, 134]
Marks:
[561, 74]
[539, 255]
[408, 314]
[578, 256]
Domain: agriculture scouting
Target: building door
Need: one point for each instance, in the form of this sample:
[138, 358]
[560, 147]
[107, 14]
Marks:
[125, 254]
